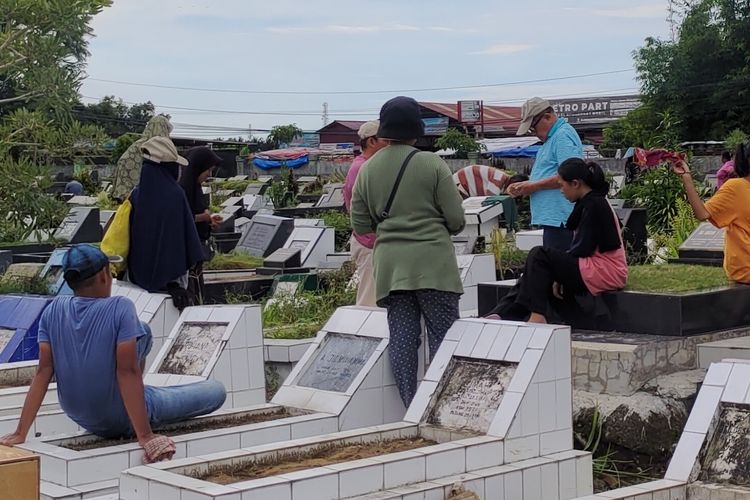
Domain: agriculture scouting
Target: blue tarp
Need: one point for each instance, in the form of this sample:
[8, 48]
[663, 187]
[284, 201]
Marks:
[525, 152]
[269, 164]
[21, 313]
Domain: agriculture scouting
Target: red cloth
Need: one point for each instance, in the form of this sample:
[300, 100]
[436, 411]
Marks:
[647, 158]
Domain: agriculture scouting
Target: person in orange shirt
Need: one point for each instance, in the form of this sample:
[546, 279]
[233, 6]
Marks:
[729, 208]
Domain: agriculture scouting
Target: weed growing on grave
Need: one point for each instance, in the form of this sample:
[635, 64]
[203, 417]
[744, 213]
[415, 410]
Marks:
[233, 260]
[16, 284]
[609, 471]
[304, 314]
[508, 258]
[273, 382]
[342, 226]
[236, 186]
[675, 278]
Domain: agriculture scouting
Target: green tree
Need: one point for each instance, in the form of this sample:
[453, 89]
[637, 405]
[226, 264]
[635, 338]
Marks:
[459, 142]
[43, 47]
[283, 134]
[734, 139]
[701, 78]
[114, 116]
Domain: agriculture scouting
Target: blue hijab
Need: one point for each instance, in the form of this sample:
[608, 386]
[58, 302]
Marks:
[164, 243]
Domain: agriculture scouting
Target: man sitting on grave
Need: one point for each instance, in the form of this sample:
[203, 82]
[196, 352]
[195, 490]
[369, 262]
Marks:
[482, 180]
[96, 348]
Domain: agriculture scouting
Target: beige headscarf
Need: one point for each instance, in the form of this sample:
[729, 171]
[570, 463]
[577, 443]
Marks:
[128, 170]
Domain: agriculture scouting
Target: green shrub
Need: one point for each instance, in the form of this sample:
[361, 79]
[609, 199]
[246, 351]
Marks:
[304, 314]
[15, 284]
[342, 226]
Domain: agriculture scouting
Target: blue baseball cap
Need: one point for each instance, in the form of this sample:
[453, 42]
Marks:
[83, 261]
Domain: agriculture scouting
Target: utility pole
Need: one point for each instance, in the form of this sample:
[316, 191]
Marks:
[325, 114]
[250, 131]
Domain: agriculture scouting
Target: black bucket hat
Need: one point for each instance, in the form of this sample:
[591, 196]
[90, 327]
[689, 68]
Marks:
[401, 120]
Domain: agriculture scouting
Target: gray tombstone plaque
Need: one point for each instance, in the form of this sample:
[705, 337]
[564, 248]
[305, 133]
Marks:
[299, 244]
[470, 394]
[265, 234]
[193, 348]
[335, 365]
[105, 219]
[6, 335]
[332, 197]
[284, 258]
[81, 225]
[705, 238]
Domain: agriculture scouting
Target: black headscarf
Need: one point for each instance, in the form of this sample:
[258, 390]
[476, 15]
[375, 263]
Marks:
[164, 244]
[201, 159]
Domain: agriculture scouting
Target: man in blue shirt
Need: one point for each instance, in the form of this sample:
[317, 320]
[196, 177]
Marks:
[96, 348]
[549, 208]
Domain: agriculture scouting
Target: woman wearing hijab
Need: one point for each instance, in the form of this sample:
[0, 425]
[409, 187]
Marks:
[129, 165]
[164, 242]
[201, 161]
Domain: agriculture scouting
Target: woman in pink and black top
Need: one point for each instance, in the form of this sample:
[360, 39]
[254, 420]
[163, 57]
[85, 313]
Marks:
[594, 263]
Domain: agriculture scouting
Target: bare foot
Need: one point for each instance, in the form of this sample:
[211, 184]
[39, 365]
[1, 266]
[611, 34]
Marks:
[537, 318]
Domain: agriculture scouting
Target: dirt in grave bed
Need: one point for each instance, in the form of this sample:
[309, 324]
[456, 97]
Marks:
[317, 457]
[188, 427]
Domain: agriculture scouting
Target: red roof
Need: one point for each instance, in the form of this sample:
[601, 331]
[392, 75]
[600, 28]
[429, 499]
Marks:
[507, 117]
[350, 124]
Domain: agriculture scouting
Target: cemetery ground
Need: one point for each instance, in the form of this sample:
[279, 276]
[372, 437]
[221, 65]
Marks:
[633, 380]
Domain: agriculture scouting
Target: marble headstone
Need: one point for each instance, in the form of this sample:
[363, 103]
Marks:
[195, 345]
[338, 362]
[471, 394]
[265, 234]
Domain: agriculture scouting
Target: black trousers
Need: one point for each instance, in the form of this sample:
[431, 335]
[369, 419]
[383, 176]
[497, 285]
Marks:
[533, 290]
[557, 237]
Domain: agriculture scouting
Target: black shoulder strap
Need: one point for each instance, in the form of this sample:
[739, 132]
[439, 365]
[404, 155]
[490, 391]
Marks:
[384, 214]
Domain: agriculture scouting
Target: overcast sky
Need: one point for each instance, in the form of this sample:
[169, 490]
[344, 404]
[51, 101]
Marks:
[332, 48]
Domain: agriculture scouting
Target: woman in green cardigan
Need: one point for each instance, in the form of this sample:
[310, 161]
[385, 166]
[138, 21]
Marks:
[416, 272]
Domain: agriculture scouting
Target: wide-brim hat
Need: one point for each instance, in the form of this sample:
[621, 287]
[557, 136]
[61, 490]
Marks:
[162, 150]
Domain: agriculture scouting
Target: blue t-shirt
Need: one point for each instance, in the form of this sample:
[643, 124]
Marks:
[548, 206]
[83, 334]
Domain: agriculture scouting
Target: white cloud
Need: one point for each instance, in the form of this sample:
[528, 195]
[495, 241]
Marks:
[503, 48]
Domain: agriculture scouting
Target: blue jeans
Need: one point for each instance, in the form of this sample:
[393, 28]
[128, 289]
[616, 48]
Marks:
[180, 402]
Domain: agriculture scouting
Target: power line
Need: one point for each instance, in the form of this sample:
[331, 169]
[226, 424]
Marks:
[360, 92]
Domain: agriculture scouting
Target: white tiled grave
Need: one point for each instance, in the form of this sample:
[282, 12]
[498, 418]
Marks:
[224, 343]
[314, 243]
[480, 220]
[474, 269]
[356, 389]
[526, 240]
[497, 399]
[712, 452]
[154, 309]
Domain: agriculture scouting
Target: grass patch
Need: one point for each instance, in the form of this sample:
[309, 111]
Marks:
[233, 260]
[675, 278]
[17, 284]
[304, 314]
